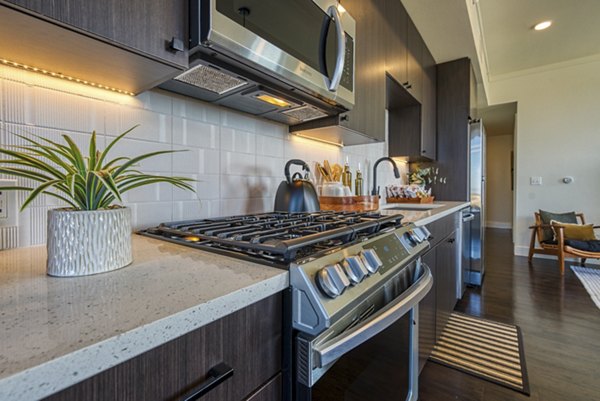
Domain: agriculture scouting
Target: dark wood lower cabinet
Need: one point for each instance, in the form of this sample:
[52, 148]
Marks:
[249, 341]
[435, 308]
[446, 270]
[427, 315]
[269, 392]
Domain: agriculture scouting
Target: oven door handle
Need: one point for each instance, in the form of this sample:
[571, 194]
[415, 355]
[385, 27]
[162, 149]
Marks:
[333, 349]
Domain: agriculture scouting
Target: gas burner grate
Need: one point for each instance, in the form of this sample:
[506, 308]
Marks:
[276, 238]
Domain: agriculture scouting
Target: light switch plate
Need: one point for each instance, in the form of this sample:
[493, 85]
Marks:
[535, 180]
[9, 213]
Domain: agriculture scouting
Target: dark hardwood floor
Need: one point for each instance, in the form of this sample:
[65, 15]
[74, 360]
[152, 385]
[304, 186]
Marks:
[559, 321]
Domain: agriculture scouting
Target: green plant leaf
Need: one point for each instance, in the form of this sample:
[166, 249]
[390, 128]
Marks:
[92, 151]
[114, 142]
[79, 161]
[34, 194]
[109, 184]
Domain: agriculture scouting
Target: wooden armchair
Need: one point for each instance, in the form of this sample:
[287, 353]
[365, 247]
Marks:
[558, 247]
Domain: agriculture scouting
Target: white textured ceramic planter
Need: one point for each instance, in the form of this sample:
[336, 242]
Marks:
[81, 243]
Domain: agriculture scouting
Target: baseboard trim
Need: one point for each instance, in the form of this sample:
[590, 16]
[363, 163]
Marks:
[521, 250]
[498, 224]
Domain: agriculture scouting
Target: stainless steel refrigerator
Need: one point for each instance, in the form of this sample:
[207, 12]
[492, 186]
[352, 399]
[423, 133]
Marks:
[476, 264]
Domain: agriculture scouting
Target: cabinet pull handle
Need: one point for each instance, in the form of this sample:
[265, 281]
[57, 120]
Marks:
[216, 376]
[451, 240]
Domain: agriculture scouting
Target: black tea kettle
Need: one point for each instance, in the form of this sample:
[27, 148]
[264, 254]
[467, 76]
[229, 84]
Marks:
[297, 194]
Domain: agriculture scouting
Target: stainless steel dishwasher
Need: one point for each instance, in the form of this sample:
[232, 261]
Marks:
[465, 254]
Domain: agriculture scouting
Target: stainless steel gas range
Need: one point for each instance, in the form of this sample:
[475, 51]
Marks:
[356, 280]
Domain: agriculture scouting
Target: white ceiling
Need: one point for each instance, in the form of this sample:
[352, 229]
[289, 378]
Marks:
[513, 45]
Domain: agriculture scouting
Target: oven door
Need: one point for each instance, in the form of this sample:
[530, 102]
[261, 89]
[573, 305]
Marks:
[307, 43]
[372, 353]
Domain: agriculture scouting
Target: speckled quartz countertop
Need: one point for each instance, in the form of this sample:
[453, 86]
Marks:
[423, 214]
[55, 332]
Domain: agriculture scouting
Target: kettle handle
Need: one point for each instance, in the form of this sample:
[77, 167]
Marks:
[297, 162]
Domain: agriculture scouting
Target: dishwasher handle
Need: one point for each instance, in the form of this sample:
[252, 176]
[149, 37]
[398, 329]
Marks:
[332, 350]
[468, 217]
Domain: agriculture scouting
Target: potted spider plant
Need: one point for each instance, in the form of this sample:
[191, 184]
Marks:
[93, 233]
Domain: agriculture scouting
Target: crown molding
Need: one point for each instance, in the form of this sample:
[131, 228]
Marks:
[545, 68]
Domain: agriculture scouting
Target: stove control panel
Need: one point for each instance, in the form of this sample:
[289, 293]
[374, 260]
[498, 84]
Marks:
[324, 287]
[371, 260]
[332, 280]
[355, 269]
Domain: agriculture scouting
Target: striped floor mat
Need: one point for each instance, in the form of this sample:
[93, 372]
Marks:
[490, 350]
[590, 278]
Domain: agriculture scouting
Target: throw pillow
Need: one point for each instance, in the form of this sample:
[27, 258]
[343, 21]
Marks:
[546, 217]
[580, 232]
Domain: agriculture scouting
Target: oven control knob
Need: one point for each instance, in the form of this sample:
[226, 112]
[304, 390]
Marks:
[355, 269]
[332, 280]
[410, 236]
[371, 260]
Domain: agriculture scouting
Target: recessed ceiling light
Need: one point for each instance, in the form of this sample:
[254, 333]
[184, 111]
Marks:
[542, 25]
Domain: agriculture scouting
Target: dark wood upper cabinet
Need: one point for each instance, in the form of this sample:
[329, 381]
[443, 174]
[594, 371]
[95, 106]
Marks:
[429, 105]
[143, 26]
[414, 61]
[396, 30]
[455, 98]
[368, 114]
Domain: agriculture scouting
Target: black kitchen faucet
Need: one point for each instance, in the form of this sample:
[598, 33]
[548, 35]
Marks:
[375, 190]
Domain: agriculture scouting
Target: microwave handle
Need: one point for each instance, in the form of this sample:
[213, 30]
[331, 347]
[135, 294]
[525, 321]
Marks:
[333, 84]
[332, 350]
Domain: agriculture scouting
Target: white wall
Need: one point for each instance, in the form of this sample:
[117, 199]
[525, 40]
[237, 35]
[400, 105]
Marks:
[499, 197]
[238, 159]
[558, 135]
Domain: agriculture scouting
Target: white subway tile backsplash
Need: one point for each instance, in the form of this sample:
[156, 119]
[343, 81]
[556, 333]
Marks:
[238, 163]
[133, 148]
[233, 140]
[235, 119]
[152, 213]
[269, 146]
[17, 102]
[235, 186]
[63, 111]
[155, 127]
[237, 159]
[195, 133]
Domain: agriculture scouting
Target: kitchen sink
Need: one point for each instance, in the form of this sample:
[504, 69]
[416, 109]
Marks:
[416, 207]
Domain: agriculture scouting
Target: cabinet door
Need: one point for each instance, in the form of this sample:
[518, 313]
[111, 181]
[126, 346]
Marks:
[396, 20]
[368, 114]
[446, 284]
[427, 316]
[428, 109]
[415, 61]
[249, 341]
[144, 26]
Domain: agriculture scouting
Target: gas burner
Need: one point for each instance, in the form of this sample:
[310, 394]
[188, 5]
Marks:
[276, 238]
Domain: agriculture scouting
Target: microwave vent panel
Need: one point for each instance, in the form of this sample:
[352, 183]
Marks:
[305, 113]
[211, 79]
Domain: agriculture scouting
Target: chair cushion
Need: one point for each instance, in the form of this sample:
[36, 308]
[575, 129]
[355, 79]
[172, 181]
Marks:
[588, 246]
[546, 217]
[582, 232]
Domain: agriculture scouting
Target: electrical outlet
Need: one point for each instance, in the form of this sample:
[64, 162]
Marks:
[8, 204]
[535, 180]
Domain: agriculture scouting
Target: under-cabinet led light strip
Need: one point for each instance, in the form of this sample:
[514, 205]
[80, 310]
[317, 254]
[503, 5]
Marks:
[63, 76]
[339, 145]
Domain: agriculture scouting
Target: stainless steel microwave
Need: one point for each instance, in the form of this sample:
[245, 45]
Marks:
[299, 51]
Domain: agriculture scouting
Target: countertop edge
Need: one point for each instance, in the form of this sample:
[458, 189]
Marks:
[441, 214]
[60, 373]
